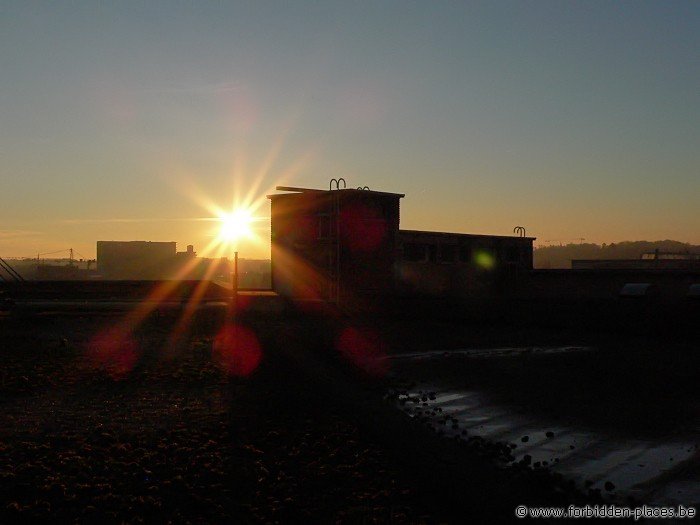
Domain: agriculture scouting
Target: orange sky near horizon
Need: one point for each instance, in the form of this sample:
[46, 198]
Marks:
[130, 121]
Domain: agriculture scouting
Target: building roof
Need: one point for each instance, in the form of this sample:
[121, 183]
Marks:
[137, 242]
[292, 189]
[470, 235]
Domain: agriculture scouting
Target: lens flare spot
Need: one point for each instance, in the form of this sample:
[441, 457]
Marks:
[484, 260]
[363, 349]
[237, 351]
[114, 352]
[363, 228]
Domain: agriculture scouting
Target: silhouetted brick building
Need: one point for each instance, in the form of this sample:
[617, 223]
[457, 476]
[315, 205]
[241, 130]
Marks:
[343, 243]
[148, 260]
[458, 264]
[135, 259]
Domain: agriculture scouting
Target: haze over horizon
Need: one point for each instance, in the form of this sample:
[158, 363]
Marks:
[131, 121]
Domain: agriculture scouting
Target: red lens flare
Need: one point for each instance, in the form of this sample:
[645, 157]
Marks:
[115, 352]
[237, 351]
[363, 227]
[363, 349]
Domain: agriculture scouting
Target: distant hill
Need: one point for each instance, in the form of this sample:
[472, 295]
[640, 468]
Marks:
[560, 256]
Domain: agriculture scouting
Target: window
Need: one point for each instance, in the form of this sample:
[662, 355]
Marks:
[448, 253]
[414, 252]
[465, 254]
[513, 254]
[432, 253]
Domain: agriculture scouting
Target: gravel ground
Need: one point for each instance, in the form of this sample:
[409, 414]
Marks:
[102, 422]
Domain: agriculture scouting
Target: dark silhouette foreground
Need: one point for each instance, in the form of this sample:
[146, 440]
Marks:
[160, 428]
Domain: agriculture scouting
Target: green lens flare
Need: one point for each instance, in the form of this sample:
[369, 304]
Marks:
[484, 260]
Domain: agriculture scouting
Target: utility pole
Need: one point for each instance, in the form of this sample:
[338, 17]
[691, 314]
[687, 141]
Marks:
[234, 283]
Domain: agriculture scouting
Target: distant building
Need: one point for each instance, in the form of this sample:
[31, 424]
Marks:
[656, 260]
[188, 255]
[254, 274]
[137, 260]
[68, 272]
[337, 244]
[147, 260]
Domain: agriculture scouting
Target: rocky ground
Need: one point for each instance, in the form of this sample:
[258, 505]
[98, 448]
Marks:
[105, 422]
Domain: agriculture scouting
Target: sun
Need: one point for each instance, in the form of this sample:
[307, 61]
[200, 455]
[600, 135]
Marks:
[236, 225]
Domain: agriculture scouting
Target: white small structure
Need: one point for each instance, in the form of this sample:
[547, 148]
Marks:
[637, 290]
[694, 291]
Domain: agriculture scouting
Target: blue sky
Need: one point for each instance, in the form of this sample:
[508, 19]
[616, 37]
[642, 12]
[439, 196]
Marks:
[123, 120]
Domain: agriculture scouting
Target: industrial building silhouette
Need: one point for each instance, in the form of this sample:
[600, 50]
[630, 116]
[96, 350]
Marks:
[342, 243]
[149, 260]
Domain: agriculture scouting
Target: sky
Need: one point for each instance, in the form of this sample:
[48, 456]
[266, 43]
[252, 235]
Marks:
[139, 120]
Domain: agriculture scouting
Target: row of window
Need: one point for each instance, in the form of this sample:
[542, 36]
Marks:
[452, 253]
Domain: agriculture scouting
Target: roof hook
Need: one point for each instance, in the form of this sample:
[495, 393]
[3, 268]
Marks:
[519, 230]
[337, 184]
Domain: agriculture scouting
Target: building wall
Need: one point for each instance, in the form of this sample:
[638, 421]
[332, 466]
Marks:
[636, 264]
[457, 265]
[298, 247]
[135, 259]
[320, 238]
[369, 225]
[354, 235]
[142, 260]
[563, 284]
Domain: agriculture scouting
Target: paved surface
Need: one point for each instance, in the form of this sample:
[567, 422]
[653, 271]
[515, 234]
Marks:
[661, 469]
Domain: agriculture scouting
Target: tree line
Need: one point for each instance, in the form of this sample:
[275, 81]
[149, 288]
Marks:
[561, 256]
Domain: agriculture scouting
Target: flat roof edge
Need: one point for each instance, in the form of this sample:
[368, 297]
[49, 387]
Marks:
[425, 232]
[293, 190]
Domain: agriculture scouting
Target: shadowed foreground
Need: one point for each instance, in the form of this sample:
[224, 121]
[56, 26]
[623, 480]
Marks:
[168, 433]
